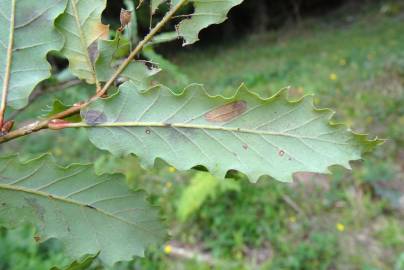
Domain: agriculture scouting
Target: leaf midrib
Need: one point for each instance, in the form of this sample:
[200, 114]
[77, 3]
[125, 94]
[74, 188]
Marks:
[206, 127]
[69, 201]
[83, 40]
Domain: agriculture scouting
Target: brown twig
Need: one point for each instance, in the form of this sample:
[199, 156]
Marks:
[293, 205]
[6, 79]
[39, 125]
[44, 89]
[197, 255]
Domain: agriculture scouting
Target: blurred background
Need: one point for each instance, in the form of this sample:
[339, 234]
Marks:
[350, 54]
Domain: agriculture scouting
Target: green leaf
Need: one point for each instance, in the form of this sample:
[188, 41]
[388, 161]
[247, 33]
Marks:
[163, 38]
[88, 213]
[83, 264]
[203, 186]
[110, 56]
[27, 34]
[81, 26]
[57, 107]
[155, 4]
[110, 53]
[245, 132]
[206, 12]
[167, 66]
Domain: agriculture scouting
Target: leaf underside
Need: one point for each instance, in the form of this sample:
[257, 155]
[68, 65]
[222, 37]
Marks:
[81, 26]
[110, 55]
[246, 133]
[27, 34]
[88, 213]
[206, 12]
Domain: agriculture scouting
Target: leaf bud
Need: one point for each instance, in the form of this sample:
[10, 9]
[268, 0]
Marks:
[125, 17]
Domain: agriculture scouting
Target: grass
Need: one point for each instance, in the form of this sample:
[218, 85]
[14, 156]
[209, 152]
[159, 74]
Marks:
[348, 221]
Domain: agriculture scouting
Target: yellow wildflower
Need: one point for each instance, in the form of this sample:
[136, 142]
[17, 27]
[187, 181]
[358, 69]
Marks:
[340, 227]
[333, 77]
[168, 249]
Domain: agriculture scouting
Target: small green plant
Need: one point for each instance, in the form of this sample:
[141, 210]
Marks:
[131, 113]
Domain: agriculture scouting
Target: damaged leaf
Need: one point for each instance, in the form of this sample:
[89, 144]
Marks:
[256, 136]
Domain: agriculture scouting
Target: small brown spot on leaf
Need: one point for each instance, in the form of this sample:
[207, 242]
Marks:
[37, 238]
[93, 117]
[245, 146]
[281, 153]
[226, 112]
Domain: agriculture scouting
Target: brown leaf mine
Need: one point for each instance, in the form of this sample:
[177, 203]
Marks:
[93, 51]
[93, 117]
[226, 112]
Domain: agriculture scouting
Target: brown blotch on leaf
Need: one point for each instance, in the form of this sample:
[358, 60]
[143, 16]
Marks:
[281, 153]
[93, 51]
[103, 30]
[93, 117]
[245, 146]
[226, 112]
